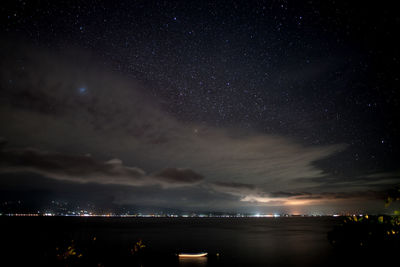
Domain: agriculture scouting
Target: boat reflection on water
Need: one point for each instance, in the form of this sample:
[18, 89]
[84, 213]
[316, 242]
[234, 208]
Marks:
[193, 261]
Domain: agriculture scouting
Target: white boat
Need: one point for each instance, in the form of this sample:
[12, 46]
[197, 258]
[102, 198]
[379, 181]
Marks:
[192, 255]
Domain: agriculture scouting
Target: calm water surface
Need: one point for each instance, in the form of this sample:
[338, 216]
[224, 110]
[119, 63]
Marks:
[294, 241]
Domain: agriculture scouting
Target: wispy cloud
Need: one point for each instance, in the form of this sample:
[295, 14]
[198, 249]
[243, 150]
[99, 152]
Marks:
[253, 194]
[86, 169]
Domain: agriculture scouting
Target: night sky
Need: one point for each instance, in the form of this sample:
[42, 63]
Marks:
[236, 106]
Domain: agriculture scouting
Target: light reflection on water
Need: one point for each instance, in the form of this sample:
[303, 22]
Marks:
[186, 262]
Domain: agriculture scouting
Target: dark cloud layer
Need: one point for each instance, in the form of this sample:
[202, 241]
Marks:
[231, 185]
[184, 176]
[86, 169]
[82, 169]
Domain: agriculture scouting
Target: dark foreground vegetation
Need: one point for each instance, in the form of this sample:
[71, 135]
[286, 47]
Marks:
[370, 237]
[367, 233]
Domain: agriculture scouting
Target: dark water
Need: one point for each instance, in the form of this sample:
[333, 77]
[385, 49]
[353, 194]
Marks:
[229, 241]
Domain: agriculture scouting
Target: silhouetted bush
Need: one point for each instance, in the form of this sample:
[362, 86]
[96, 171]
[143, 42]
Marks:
[367, 233]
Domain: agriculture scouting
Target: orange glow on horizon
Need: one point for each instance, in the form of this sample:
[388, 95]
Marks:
[286, 201]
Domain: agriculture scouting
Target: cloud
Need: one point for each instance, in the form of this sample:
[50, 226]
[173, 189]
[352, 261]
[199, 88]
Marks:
[117, 118]
[86, 169]
[370, 194]
[83, 169]
[232, 188]
[174, 176]
[288, 194]
[312, 199]
[246, 193]
[253, 194]
[364, 182]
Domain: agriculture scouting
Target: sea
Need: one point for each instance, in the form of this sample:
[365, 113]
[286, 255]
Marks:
[282, 241]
